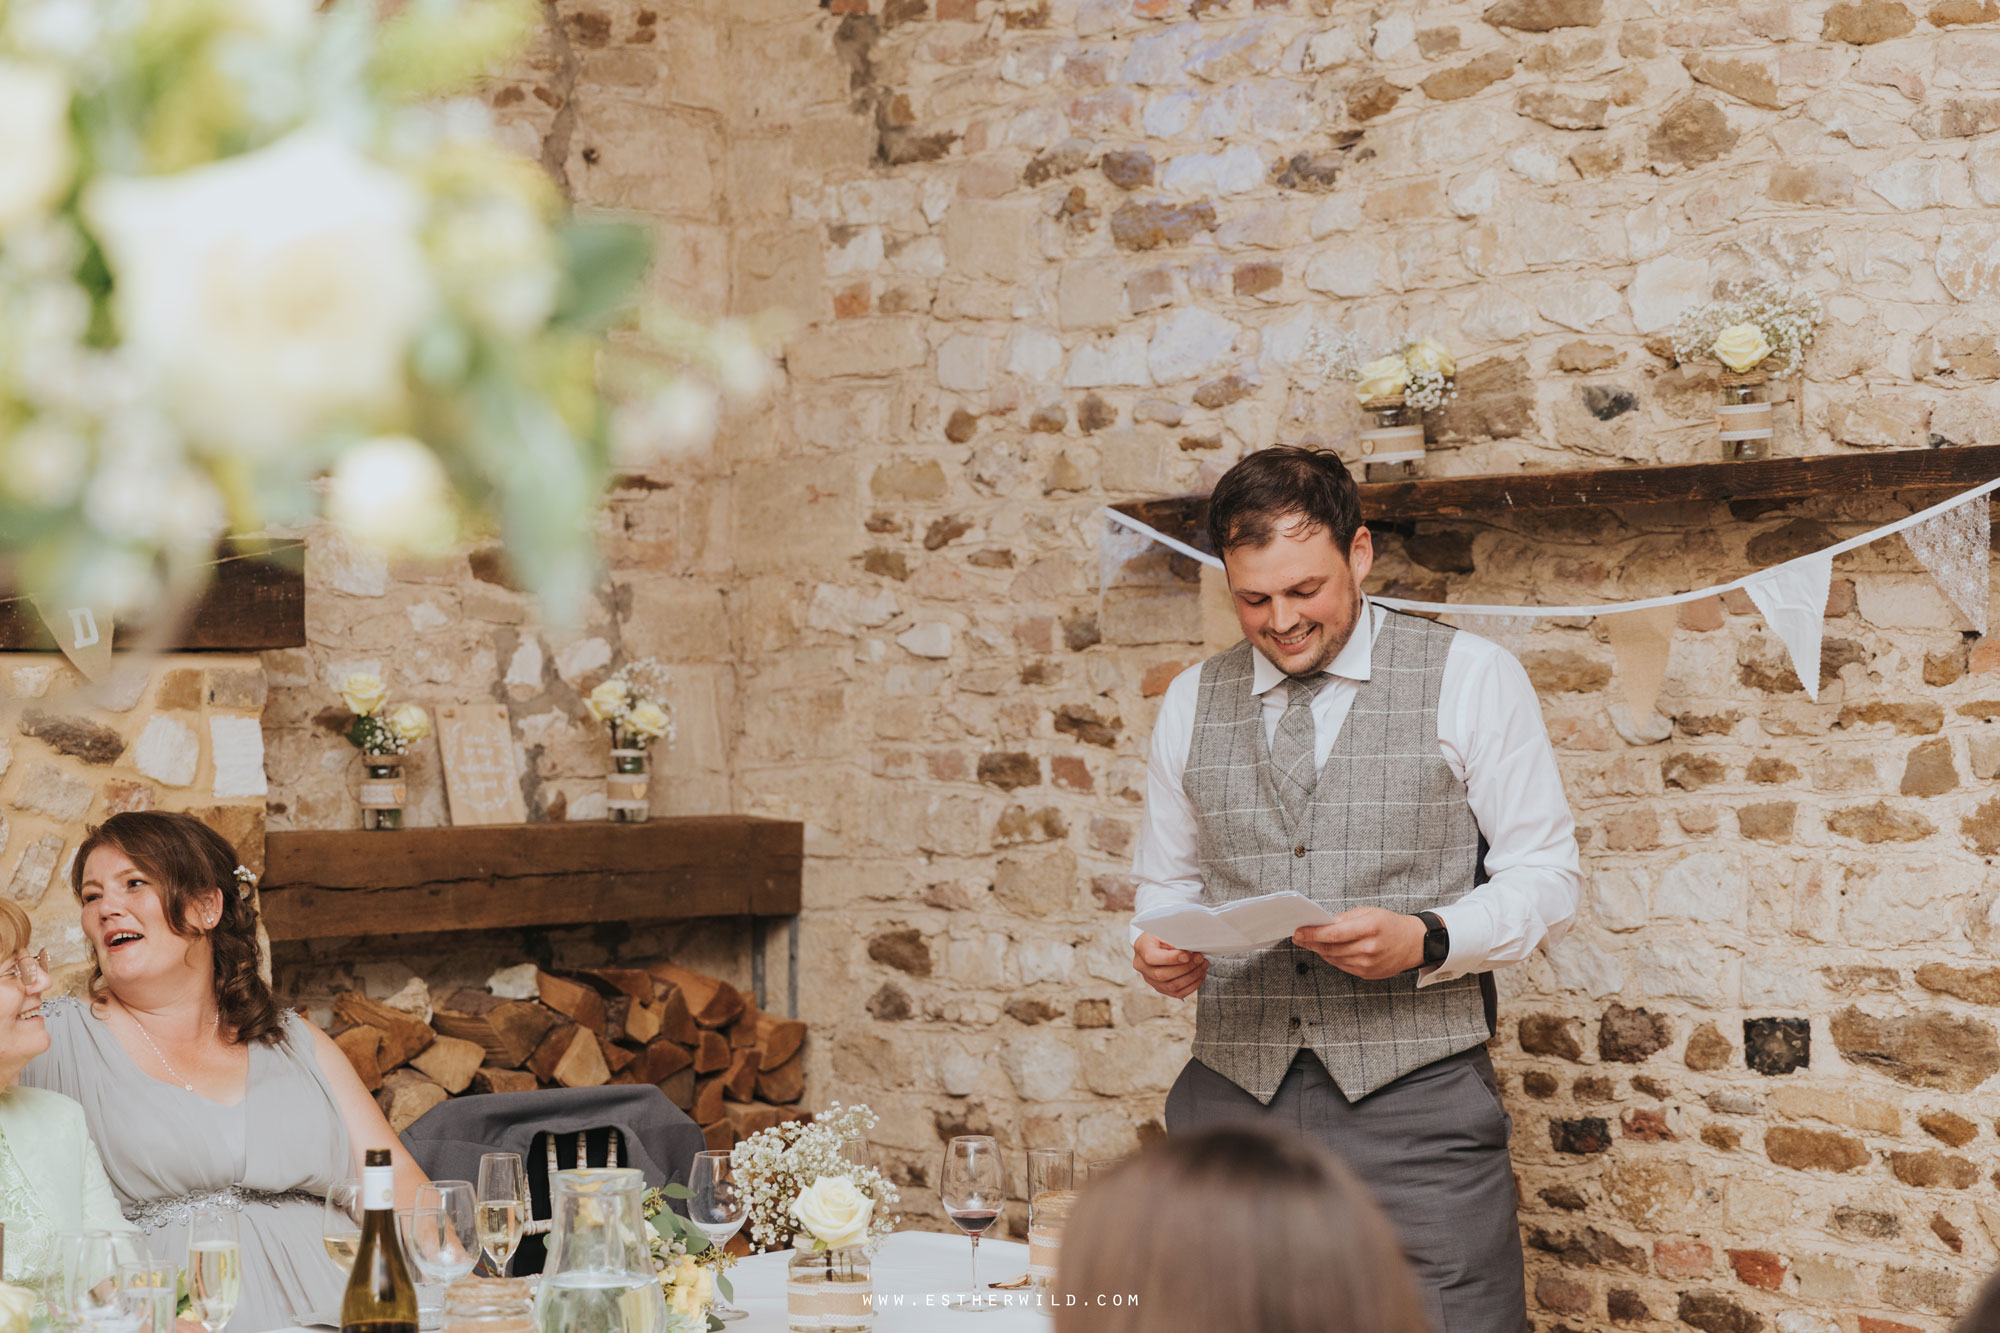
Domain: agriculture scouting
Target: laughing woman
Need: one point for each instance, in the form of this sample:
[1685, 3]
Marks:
[198, 1087]
[50, 1178]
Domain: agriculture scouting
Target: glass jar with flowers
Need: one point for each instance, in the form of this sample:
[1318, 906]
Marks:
[383, 737]
[1395, 387]
[1755, 338]
[632, 704]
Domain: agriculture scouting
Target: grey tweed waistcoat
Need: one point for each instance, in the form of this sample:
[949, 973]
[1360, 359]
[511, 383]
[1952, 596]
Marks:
[1388, 826]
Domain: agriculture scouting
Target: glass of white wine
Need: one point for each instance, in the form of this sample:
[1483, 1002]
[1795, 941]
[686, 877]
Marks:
[214, 1266]
[502, 1207]
[155, 1287]
[340, 1229]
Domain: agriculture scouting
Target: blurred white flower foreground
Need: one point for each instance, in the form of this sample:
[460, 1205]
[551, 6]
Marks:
[255, 265]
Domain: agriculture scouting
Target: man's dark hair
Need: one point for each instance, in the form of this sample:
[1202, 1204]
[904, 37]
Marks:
[1261, 493]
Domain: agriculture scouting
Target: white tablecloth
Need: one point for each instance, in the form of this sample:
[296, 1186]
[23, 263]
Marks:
[916, 1274]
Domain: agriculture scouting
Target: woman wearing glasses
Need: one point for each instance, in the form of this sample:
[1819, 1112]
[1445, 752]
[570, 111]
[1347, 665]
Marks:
[50, 1178]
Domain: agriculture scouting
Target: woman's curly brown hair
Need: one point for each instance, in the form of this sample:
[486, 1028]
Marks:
[187, 860]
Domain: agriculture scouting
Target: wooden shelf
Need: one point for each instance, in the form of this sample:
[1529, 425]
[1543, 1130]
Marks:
[254, 602]
[322, 884]
[1186, 516]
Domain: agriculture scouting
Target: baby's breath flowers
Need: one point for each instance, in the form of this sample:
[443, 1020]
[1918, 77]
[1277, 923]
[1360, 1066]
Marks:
[775, 1166]
[1416, 366]
[1765, 328]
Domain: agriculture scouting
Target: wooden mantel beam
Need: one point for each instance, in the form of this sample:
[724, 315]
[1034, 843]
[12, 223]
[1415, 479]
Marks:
[323, 884]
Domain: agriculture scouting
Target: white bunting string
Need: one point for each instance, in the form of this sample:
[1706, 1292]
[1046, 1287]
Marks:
[1792, 597]
[1603, 608]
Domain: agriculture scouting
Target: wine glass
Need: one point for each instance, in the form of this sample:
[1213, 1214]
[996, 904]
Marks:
[214, 1266]
[93, 1291]
[717, 1207]
[973, 1189]
[155, 1288]
[340, 1224]
[446, 1231]
[411, 1223]
[857, 1152]
[503, 1207]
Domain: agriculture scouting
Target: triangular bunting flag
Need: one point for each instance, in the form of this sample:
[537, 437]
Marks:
[1510, 632]
[1640, 640]
[84, 635]
[1792, 597]
[1955, 548]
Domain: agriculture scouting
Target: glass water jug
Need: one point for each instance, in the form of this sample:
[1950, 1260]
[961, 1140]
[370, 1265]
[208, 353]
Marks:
[599, 1277]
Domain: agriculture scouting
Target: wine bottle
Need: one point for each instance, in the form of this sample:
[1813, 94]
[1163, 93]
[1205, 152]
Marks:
[380, 1296]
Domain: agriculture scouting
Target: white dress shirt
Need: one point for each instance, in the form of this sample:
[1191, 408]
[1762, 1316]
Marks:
[1489, 730]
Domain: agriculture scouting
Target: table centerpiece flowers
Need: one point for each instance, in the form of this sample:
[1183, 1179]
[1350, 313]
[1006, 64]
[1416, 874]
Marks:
[1756, 337]
[1395, 384]
[383, 737]
[690, 1266]
[804, 1192]
[632, 705]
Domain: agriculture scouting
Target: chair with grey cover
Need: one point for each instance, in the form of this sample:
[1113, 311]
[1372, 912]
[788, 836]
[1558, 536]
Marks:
[556, 1129]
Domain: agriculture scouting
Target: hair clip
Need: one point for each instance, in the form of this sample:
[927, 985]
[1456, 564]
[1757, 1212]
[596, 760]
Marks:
[245, 881]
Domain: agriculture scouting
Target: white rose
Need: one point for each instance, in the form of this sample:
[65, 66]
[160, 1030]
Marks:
[410, 723]
[648, 720]
[270, 294]
[1382, 377]
[608, 700]
[500, 262]
[834, 1212]
[35, 155]
[1430, 354]
[392, 493]
[1740, 347]
[364, 692]
[17, 1308]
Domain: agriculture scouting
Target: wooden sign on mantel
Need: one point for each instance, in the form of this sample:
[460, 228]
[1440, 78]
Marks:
[481, 779]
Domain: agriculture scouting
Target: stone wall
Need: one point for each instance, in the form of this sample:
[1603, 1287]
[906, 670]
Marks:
[182, 736]
[1049, 253]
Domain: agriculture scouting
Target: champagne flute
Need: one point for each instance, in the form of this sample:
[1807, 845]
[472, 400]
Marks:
[717, 1207]
[973, 1189]
[340, 1225]
[446, 1233]
[214, 1266]
[503, 1207]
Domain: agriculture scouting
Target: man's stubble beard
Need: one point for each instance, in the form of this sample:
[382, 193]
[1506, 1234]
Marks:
[1332, 649]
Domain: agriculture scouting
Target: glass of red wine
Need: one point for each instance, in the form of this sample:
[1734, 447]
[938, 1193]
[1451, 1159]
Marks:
[973, 1190]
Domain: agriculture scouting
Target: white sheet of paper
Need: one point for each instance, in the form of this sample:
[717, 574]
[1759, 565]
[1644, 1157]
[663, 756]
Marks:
[1238, 927]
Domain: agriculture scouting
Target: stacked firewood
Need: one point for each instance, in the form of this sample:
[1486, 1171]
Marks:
[731, 1066]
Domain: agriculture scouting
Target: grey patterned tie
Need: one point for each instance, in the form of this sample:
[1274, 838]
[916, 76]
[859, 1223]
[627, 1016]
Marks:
[1292, 746]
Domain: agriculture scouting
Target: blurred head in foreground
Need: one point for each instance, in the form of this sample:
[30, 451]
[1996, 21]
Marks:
[1233, 1228]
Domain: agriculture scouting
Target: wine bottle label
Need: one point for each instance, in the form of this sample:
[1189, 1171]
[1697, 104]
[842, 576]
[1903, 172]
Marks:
[378, 1188]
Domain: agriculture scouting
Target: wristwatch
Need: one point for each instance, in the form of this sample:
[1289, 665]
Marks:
[1437, 940]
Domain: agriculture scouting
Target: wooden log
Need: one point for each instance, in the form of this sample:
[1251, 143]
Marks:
[712, 1055]
[740, 1083]
[510, 1030]
[489, 1079]
[753, 1118]
[712, 1001]
[707, 1100]
[450, 1062]
[679, 1088]
[403, 1035]
[578, 1060]
[616, 1057]
[675, 1020]
[643, 1021]
[742, 1029]
[362, 1045]
[574, 1000]
[617, 1011]
[471, 1000]
[405, 1096]
[553, 1048]
[783, 1085]
[633, 982]
[662, 1059]
[778, 1038]
[720, 1135]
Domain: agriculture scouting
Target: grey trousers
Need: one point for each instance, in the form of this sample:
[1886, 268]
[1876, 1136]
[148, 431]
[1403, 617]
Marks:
[1432, 1146]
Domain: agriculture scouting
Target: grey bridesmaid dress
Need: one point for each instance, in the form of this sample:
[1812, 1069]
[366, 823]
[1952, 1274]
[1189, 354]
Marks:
[165, 1149]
